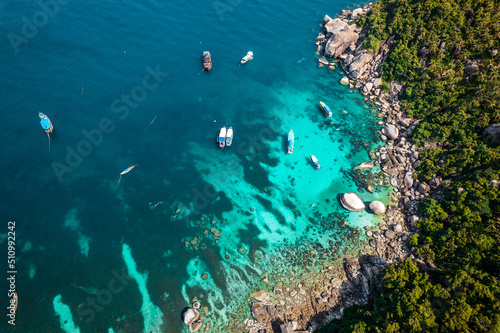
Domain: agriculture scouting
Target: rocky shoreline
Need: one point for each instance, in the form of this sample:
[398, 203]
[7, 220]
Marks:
[304, 306]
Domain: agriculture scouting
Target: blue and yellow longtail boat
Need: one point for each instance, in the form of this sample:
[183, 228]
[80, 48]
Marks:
[45, 122]
[325, 109]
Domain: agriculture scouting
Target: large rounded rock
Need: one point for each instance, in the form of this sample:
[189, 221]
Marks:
[335, 25]
[351, 201]
[413, 220]
[326, 19]
[340, 41]
[408, 180]
[357, 13]
[377, 207]
[390, 131]
[190, 315]
[389, 234]
[359, 64]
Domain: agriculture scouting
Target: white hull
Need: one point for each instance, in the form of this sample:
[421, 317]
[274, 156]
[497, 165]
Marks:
[221, 139]
[315, 162]
[291, 140]
[247, 58]
[229, 136]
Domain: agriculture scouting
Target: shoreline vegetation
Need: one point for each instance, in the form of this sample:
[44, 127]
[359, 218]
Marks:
[433, 68]
[433, 71]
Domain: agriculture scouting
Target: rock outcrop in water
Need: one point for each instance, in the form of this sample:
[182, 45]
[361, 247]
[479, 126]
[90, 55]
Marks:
[191, 317]
[340, 40]
[352, 202]
[365, 165]
[377, 207]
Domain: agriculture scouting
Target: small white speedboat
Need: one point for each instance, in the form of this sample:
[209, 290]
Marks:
[221, 139]
[229, 136]
[314, 160]
[246, 58]
[291, 140]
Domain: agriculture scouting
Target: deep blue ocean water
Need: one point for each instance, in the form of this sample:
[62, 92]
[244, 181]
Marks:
[122, 85]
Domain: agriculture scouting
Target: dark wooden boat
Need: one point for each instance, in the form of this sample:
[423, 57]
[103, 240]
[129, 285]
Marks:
[207, 61]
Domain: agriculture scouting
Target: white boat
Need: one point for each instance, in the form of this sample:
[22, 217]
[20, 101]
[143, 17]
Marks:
[291, 140]
[315, 162]
[221, 139]
[246, 58]
[229, 136]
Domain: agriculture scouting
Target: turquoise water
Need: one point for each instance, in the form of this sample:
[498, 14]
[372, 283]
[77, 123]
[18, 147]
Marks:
[122, 85]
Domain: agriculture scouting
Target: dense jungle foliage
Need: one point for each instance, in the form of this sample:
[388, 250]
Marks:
[444, 54]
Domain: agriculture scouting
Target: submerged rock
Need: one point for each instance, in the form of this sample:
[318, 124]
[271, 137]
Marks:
[242, 250]
[365, 165]
[323, 61]
[260, 296]
[351, 201]
[377, 207]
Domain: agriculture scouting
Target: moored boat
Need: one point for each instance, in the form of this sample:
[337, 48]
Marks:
[229, 136]
[221, 139]
[314, 160]
[247, 58]
[291, 141]
[207, 61]
[45, 122]
[325, 109]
